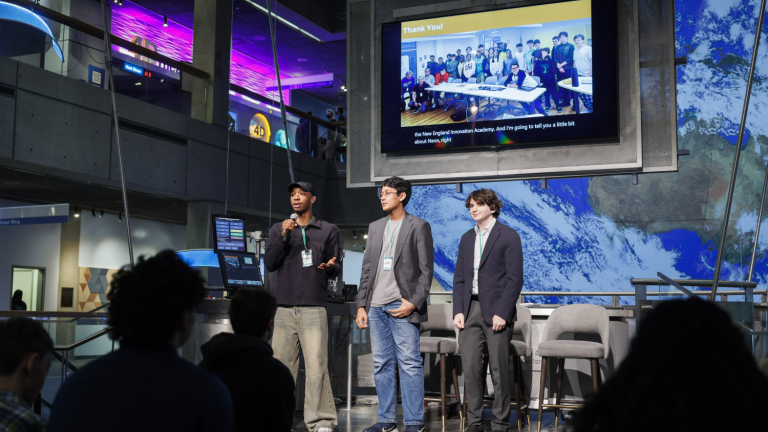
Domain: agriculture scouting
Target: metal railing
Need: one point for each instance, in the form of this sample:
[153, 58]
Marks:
[616, 294]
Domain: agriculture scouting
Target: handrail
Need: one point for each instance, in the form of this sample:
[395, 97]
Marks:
[695, 282]
[617, 293]
[91, 312]
[51, 314]
[82, 341]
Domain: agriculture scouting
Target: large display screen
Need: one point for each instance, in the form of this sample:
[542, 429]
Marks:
[228, 233]
[521, 76]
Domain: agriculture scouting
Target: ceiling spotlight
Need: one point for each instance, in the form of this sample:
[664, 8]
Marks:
[77, 212]
[138, 83]
[93, 212]
[115, 1]
[101, 215]
[343, 87]
[165, 21]
[120, 2]
[365, 236]
[354, 234]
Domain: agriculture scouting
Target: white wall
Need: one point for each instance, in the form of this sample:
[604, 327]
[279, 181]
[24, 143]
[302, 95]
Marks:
[32, 246]
[104, 244]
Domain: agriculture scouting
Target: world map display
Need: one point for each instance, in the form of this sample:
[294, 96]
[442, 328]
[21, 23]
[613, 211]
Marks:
[596, 234]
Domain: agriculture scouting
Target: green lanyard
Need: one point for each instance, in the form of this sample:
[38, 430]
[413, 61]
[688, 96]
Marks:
[480, 243]
[394, 233]
[304, 232]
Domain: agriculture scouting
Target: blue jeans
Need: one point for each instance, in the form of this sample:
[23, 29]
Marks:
[395, 339]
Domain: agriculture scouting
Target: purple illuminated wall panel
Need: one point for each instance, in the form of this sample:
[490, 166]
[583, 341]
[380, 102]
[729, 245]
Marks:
[175, 41]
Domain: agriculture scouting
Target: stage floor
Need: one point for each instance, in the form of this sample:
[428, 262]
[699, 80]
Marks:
[363, 416]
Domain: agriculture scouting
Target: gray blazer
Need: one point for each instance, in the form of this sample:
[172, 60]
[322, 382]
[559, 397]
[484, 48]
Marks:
[413, 267]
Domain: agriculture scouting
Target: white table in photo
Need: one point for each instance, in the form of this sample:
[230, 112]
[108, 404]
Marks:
[508, 93]
[585, 87]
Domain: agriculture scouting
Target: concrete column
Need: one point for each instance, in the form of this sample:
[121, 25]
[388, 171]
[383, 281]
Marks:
[199, 213]
[212, 54]
[69, 259]
[69, 273]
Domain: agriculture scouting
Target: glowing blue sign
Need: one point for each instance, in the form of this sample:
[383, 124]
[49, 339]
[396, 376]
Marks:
[132, 68]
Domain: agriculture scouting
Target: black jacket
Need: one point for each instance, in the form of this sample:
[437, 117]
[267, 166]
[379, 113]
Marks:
[500, 278]
[298, 285]
[261, 386]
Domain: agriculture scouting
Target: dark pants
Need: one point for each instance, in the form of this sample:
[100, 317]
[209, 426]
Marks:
[551, 87]
[473, 338]
[535, 104]
[565, 95]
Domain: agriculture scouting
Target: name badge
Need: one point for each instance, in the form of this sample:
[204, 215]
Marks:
[306, 257]
[388, 260]
[475, 280]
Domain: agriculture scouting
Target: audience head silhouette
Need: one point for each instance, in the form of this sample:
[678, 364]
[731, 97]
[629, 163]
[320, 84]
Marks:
[152, 305]
[25, 357]
[252, 312]
[688, 369]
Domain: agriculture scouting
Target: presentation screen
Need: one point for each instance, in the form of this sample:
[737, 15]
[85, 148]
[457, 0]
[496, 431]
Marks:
[228, 233]
[239, 269]
[521, 76]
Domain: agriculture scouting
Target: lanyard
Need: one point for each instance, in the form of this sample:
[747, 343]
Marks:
[304, 232]
[394, 233]
[480, 242]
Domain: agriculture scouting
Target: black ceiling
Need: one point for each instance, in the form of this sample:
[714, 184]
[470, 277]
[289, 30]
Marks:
[250, 36]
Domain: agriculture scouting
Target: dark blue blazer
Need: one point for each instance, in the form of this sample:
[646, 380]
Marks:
[500, 278]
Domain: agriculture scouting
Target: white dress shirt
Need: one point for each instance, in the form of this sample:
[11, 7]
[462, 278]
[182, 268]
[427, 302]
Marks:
[485, 232]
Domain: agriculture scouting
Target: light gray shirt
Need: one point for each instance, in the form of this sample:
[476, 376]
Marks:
[485, 232]
[385, 289]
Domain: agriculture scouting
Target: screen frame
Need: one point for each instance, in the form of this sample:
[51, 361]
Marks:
[213, 233]
[387, 88]
[223, 269]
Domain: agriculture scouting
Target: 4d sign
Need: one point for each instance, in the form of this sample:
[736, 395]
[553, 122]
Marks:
[259, 127]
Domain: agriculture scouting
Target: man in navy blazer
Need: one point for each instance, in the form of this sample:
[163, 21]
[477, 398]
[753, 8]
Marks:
[486, 285]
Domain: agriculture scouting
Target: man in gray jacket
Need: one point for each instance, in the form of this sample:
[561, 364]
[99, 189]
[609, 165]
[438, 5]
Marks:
[392, 302]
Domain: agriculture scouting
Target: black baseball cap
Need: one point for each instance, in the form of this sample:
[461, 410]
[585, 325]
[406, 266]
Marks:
[305, 186]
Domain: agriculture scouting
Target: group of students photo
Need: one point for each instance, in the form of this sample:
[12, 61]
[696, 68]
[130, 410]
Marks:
[496, 63]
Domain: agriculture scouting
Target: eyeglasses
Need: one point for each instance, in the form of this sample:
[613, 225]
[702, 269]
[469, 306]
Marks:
[386, 194]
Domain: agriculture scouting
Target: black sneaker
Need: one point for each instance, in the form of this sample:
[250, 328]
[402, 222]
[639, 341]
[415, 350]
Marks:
[382, 427]
[474, 429]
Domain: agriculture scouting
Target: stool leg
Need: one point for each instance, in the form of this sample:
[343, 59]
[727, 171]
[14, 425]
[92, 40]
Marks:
[541, 390]
[560, 369]
[518, 398]
[442, 387]
[595, 374]
[455, 377]
[522, 391]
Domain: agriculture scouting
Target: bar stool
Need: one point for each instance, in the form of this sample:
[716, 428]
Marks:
[517, 350]
[443, 340]
[590, 319]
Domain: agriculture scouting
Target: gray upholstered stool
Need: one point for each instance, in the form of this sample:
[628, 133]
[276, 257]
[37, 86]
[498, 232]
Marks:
[518, 349]
[442, 340]
[591, 319]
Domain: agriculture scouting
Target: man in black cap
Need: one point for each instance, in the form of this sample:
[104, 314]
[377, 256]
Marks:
[304, 253]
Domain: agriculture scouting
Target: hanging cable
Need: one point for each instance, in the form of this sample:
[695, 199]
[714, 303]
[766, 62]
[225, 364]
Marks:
[108, 58]
[229, 108]
[272, 25]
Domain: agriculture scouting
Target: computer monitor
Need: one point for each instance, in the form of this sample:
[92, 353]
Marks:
[228, 233]
[239, 269]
